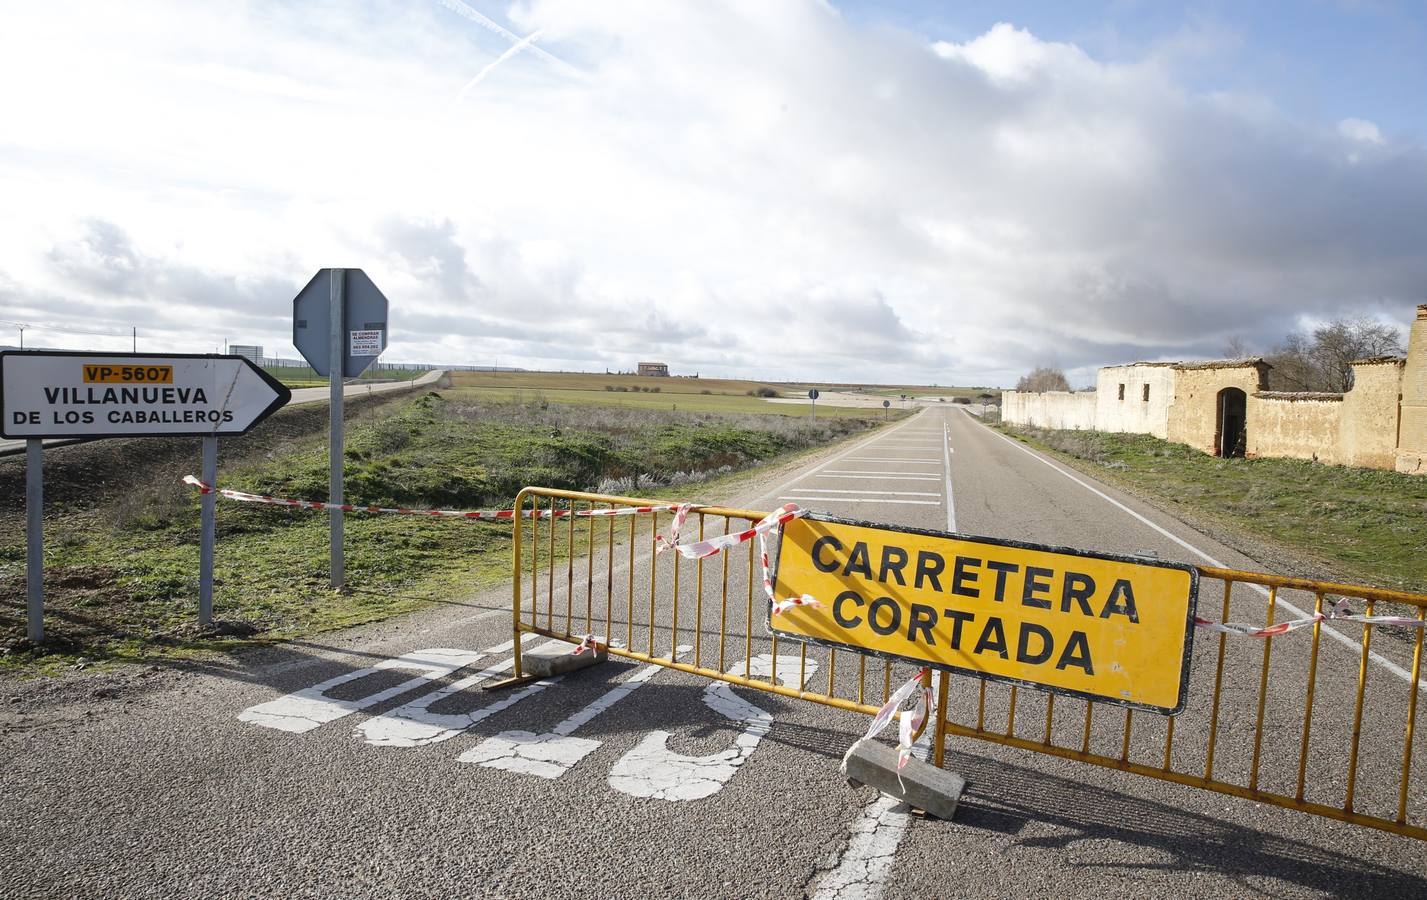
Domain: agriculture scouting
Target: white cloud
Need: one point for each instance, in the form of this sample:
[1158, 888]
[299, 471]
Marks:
[744, 188]
[1360, 130]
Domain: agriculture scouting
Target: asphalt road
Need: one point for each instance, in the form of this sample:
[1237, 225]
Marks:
[299, 396]
[320, 768]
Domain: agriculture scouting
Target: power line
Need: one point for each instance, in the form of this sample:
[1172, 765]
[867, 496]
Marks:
[62, 330]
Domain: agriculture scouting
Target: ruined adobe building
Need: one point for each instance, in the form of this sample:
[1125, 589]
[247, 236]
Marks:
[1225, 408]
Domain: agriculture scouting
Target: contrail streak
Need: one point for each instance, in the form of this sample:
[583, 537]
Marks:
[490, 24]
[515, 48]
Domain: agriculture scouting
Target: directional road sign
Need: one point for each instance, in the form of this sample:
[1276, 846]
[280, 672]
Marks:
[51, 394]
[813, 394]
[364, 319]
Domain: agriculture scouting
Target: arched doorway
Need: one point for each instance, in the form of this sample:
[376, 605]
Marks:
[1230, 439]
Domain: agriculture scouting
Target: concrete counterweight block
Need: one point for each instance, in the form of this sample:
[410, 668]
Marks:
[557, 658]
[928, 788]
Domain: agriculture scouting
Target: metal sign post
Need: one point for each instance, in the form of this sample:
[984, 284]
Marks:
[208, 528]
[59, 394]
[885, 405]
[339, 327]
[35, 540]
[337, 441]
[813, 396]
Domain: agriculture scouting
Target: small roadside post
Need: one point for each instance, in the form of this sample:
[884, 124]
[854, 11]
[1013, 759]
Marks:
[61, 394]
[813, 396]
[339, 325]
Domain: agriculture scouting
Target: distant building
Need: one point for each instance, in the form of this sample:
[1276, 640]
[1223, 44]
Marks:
[1226, 408]
[654, 368]
[251, 351]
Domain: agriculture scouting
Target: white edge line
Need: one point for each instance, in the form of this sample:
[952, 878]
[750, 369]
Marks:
[1333, 633]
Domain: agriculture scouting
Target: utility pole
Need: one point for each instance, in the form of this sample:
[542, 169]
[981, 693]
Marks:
[135, 331]
[22, 337]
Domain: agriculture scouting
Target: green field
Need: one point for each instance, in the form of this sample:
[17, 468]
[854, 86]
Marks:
[893, 391]
[711, 395]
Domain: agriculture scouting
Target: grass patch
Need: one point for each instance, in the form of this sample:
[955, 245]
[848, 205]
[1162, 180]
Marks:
[663, 401]
[122, 557]
[1361, 525]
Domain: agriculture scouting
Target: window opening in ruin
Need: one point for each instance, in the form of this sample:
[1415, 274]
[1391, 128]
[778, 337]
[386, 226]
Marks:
[1146, 391]
[1231, 437]
[1122, 392]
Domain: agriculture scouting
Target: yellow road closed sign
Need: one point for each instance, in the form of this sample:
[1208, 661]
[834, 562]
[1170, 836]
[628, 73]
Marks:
[1102, 627]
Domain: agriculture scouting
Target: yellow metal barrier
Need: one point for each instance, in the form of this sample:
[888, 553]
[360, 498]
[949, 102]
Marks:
[1313, 720]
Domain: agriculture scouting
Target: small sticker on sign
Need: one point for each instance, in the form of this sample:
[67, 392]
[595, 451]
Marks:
[366, 343]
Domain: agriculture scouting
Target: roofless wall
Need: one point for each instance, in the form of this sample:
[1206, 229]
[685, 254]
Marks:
[1226, 408]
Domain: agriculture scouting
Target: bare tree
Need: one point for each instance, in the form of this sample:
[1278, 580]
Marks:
[1043, 379]
[1323, 361]
[1236, 348]
[1338, 343]
[1293, 367]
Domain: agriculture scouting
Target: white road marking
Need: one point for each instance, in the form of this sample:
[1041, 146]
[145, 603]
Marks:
[862, 445]
[864, 477]
[946, 460]
[304, 710]
[553, 754]
[876, 473]
[808, 490]
[651, 769]
[414, 725]
[862, 500]
[1333, 633]
[896, 459]
[862, 870]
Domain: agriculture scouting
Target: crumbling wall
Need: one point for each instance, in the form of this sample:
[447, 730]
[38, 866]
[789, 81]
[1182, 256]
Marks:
[1295, 426]
[1135, 399]
[1194, 411]
[1051, 409]
[1412, 430]
[1368, 429]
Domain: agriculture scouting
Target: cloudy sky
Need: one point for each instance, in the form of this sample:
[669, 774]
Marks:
[891, 192]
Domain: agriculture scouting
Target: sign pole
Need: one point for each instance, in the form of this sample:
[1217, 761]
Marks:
[35, 538]
[335, 371]
[208, 531]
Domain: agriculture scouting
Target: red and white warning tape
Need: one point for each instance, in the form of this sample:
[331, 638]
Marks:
[245, 497]
[662, 543]
[910, 721]
[772, 522]
[590, 642]
[776, 519]
[1339, 612]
